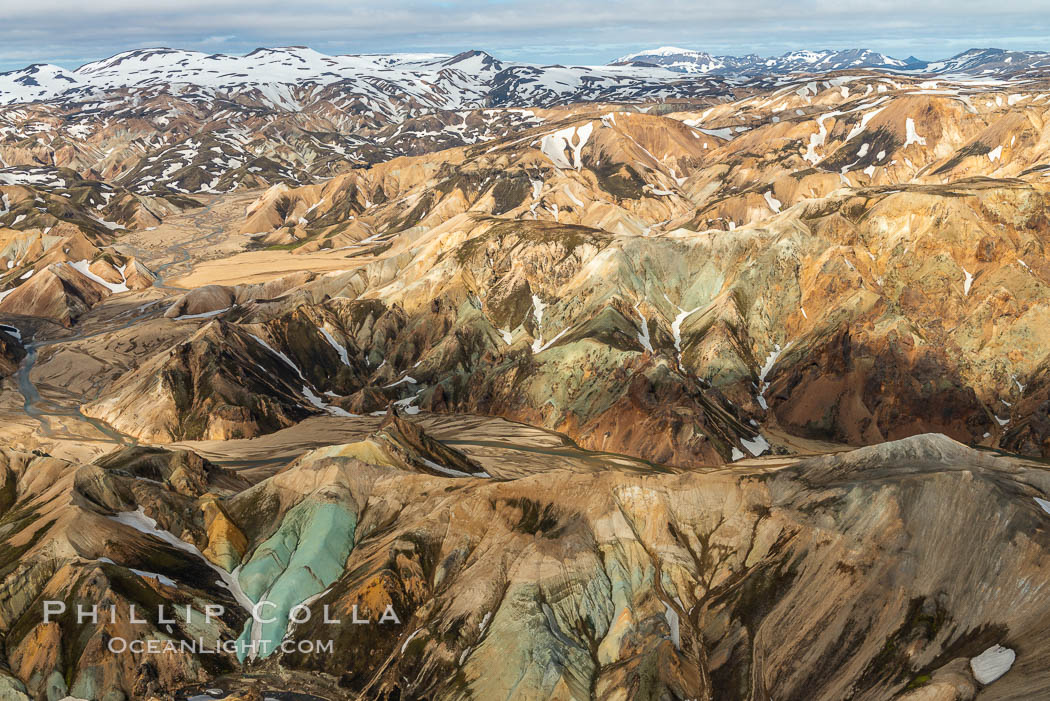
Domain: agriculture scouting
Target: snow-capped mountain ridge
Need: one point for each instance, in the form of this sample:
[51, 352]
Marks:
[976, 62]
[994, 62]
[439, 80]
[285, 76]
[691, 61]
[40, 81]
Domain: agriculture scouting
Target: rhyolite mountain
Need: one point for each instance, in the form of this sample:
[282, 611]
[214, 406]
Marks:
[613, 383]
[562, 584]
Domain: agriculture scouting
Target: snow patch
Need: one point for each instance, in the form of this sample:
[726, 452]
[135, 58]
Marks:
[339, 348]
[757, 445]
[992, 663]
[764, 371]
[676, 328]
[912, 137]
[202, 315]
[643, 335]
[409, 639]
[671, 616]
[773, 202]
[538, 346]
[82, 267]
[573, 139]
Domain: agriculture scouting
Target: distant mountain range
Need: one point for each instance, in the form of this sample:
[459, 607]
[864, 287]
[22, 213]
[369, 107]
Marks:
[284, 76]
[975, 62]
[689, 61]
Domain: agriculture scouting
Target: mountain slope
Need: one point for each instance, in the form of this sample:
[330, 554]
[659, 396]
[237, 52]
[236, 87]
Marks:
[562, 585]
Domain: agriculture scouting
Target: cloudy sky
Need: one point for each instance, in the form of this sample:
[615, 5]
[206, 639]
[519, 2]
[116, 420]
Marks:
[544, 31]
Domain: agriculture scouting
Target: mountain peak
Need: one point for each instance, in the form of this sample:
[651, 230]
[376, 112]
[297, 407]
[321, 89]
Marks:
[474, 60]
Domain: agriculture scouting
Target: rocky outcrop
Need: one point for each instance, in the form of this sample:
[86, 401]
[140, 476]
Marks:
[226, 542]
[183, 471]
[11, 350]
[125, 532]
[137, 276]
[60, 293]
[691, 585]
[692, 625]
[850, 320]
[62, 280]
[405, 445]
[564, 584]
[357, 357]
[211, 299]
[223, 382]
